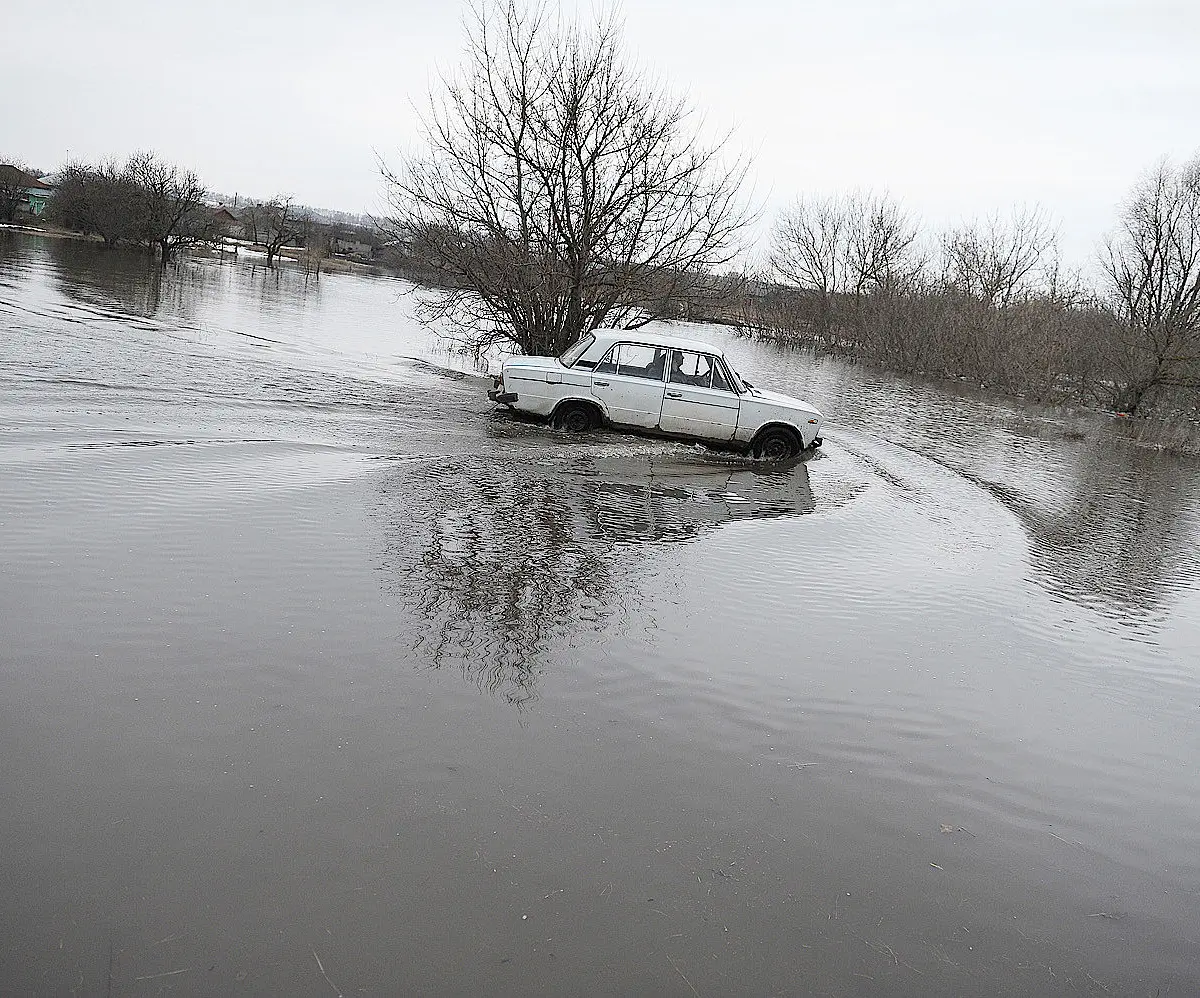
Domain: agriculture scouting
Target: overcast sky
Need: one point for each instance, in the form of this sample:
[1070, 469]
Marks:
[959, 109]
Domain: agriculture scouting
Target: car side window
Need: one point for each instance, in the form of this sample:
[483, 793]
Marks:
[689, 368]
[637, 361]
[608, 363]
[720, 379]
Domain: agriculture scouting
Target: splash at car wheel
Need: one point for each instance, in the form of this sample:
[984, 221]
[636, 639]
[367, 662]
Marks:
[776, 444]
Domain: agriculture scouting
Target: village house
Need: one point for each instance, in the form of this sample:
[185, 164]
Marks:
[21, 192]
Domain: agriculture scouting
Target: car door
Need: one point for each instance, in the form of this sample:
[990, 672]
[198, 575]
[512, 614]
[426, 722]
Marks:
[699, 400]
[629, 381]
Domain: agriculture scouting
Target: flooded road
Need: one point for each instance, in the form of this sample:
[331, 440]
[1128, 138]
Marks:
[319, 675]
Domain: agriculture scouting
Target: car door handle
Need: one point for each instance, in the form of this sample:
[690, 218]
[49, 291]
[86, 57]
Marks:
[600, 384]
[674, 395]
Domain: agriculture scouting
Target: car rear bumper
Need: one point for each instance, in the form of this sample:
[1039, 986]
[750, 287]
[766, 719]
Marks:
[501, 396]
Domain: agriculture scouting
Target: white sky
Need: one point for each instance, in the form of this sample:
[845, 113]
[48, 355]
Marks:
[957, 108]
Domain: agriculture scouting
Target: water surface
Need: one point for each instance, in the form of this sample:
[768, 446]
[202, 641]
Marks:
[320, 675]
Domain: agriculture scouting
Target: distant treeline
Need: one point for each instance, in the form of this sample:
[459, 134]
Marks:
[990, 302]
[162, 207]
[144, 201]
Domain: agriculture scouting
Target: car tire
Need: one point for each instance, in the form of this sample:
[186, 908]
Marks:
[775, 444]
[575, 417]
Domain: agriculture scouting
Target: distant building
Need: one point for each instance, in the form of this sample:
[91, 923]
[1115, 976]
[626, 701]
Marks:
[349, 246]
[32, 194]
[223, 223]
[223, 217]
[222, 228]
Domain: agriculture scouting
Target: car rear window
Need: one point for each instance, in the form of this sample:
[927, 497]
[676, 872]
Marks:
[639, 361]
[572, 354]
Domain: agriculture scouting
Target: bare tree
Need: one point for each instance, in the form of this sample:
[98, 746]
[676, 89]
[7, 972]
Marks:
[560, 190]
[883, 252]
[100, 200]
[273, 224]
[171, 212]
[841, 249]
[810, 246]
[998, 261]
[1153, 268]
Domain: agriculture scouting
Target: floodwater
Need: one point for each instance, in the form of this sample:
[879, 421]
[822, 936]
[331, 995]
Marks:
[320, 676]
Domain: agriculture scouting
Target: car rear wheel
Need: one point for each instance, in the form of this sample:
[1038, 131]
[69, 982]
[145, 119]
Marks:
[776, 444]
[575, 417]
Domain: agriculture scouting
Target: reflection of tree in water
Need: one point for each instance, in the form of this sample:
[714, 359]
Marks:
[498, 565]
[276, 288]
[12, 248]
[503, 562]
[130, 281]
[1117, 537]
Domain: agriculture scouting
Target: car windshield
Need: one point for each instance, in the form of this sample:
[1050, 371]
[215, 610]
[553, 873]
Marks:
[576, 350]
[739, 385]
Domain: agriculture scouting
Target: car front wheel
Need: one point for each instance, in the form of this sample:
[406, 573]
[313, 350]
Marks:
[776, 444]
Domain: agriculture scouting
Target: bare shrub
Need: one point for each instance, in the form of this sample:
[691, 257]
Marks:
[990, 302]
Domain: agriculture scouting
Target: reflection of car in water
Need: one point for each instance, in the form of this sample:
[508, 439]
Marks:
[662, 385]
[639, 502]
[502, 566]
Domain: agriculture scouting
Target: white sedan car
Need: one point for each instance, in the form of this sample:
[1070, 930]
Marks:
[665, 385]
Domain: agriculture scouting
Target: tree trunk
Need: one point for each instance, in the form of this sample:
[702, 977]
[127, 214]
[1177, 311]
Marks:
[1130, 398]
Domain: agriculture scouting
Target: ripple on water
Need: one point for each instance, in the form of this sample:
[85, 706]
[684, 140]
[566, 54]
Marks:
[266, 508]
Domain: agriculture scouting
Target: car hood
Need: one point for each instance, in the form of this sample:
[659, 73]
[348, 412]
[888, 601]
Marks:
[786, 402]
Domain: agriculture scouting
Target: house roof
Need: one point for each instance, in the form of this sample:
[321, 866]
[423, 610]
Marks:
[14, 176]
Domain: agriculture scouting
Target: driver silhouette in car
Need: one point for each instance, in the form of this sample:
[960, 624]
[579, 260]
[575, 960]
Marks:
[680, 377]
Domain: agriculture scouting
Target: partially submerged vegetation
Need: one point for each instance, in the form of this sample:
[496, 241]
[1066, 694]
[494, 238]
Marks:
[990, 302]
[143, 201]
[163, 208]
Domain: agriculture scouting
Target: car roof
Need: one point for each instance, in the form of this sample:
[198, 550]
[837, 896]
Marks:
[607, 336]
